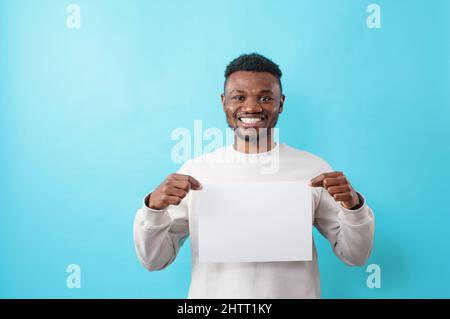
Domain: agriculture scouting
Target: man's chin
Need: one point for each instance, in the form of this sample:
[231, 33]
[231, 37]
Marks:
[251, 133]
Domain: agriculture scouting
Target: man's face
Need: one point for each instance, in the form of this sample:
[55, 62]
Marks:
[251, 101]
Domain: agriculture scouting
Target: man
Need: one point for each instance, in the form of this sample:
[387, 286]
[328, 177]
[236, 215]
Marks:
[252, 101]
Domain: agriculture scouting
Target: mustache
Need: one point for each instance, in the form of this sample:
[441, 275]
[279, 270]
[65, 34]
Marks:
[241, 114]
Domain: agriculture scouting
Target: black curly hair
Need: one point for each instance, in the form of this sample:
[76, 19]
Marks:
[253, 62]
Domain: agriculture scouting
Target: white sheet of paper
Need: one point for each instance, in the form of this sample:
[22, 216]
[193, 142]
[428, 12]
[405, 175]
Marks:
[254, 221]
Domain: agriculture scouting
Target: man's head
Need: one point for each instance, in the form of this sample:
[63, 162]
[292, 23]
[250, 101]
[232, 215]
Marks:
[252, 97]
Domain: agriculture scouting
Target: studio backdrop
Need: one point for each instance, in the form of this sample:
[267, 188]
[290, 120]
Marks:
[91, 92]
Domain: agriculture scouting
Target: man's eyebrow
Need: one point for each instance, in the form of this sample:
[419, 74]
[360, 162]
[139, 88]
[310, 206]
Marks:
[266, 91]
[237, 91]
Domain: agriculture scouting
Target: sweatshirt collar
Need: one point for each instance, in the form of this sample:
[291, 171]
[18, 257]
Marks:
[275, 149]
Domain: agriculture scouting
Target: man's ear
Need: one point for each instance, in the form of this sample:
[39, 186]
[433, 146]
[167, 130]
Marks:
[222, 97]
[280, 109]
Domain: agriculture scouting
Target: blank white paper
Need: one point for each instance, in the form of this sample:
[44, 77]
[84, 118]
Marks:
[254, 221]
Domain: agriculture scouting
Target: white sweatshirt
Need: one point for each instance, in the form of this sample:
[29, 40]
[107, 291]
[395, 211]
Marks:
[159, 234]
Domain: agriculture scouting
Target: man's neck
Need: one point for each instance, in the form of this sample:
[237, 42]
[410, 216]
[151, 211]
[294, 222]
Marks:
[252, 147]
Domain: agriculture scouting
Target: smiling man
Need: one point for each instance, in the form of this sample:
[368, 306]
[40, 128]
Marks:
[252, 101]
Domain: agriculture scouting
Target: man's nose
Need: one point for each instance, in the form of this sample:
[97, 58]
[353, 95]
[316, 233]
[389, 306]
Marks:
[251, 106]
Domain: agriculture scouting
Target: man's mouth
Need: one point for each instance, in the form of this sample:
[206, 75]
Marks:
[251, 121]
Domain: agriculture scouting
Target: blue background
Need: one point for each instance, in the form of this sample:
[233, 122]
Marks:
[86, 116]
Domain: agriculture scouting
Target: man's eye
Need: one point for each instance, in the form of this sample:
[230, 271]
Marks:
[239, 98]
[266, 99]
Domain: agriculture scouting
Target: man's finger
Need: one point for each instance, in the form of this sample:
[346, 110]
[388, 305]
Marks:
[181, 184]
[343, 197]
[338, 189]
[333, 181]
[318, 180]
[175, 191]
[195, 184]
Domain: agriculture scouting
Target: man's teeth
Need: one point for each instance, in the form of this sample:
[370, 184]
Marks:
[250, 120]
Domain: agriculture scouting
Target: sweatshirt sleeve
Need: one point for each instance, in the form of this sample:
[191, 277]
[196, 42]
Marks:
[350, 232]
[159, 234]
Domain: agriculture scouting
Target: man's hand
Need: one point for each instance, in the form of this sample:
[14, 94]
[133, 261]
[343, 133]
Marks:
[172, 190]
[339, 187]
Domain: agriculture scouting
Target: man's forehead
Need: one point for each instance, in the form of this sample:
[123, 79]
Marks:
[252, 81]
